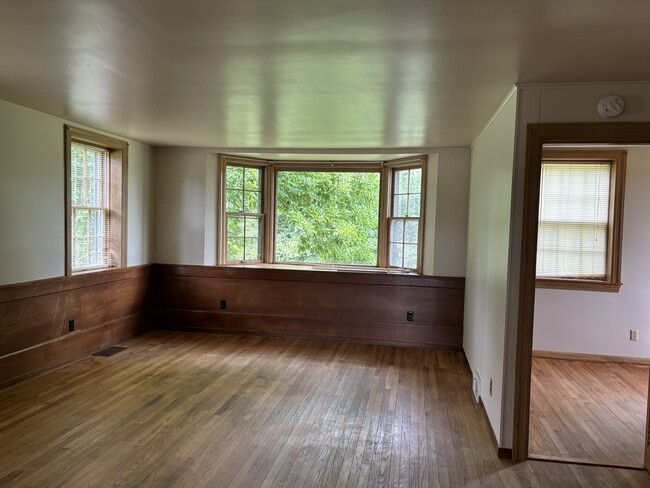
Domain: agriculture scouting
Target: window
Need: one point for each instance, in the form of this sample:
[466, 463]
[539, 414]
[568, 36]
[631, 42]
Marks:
[580, 220]
[95, 224]
[329, 217]
[344, 214]
[404, 224]
[244, 214]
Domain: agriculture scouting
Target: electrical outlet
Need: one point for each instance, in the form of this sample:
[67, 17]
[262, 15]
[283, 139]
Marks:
[222, 305]
[490, 390]
[409, 315]
[70, 325]
[634, 335]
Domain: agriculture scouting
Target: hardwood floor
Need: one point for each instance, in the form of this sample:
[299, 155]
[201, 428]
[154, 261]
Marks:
[589, 411]
[178, 409]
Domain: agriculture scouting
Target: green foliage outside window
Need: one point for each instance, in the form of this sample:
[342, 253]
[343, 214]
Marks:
[327, 217]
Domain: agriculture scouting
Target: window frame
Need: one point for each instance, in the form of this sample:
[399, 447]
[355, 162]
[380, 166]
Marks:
[270, 171]
[265, 173]
[617, 160]
[116, 196]
[261, 214]
[391, 168]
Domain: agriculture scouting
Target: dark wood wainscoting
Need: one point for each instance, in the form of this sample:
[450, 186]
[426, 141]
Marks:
[107, 307]
[364, 307]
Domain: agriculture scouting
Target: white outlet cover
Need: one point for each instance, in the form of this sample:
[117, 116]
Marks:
[476, 388]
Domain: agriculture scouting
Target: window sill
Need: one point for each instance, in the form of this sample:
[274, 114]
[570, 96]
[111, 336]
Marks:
[326, 268]
[578, 285]
[93, 270]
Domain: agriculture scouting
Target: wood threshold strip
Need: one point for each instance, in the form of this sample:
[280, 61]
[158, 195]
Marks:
[585, 462]
[597, 358]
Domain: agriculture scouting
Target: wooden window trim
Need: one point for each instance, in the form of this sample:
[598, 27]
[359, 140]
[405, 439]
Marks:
[403, 164]
[226, 160]
[612, 281]
[117, 195]
[270, 170]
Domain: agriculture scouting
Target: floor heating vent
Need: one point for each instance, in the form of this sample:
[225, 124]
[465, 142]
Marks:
[109, 351]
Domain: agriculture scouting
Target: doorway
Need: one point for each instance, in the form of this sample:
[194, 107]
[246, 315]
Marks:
[538, 136]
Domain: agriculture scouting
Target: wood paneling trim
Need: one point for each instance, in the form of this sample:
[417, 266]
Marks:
[30, 289]
[342, 330]
[29, 362]
[345, 306]
[598, 358]
[107, 307]
[307, 275]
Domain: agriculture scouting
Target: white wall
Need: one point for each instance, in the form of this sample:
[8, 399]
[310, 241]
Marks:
[545, 104]
[186, 217]
[32, 207]
[487, 255]
[449, 233]
[180, 205]
[599, 322]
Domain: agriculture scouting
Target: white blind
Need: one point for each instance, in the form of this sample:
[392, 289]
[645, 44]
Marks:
[573, 220]
[89, 206]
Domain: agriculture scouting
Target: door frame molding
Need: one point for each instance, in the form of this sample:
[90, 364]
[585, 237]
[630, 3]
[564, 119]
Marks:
[627, 133]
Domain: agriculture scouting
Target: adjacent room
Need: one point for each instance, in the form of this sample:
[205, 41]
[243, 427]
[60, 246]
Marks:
[590, 375]
[293, 243]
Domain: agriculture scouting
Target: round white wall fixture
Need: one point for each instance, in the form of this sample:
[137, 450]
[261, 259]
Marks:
[611, 106]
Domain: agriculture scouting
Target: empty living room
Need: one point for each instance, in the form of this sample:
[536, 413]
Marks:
[324, 244]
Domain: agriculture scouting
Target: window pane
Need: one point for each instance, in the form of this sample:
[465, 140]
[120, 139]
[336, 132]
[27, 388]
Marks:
[397, 230]
[414, 205]
[252, 251]
[97, 227]
[253, 226]
[396, 255]
[235, 177]
[252, 179]
[410, 256]
[91, 163]
[401, 205]
[97, 254]
[252, 202]
[79, 253]
[415, 180]
[81, 223]
[411, 231]
[235, 227]
[235, 249]
[327, 217]
[234, 201]
[401, 181]
[77, 161]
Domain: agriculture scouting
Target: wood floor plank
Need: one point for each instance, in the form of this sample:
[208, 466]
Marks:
[588, 411]
[209, 410]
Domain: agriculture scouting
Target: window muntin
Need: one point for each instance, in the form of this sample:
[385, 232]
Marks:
[327, 217]
[275, 230]
[244, 216]
[580, 219]
[404, 235]
[90, 208]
